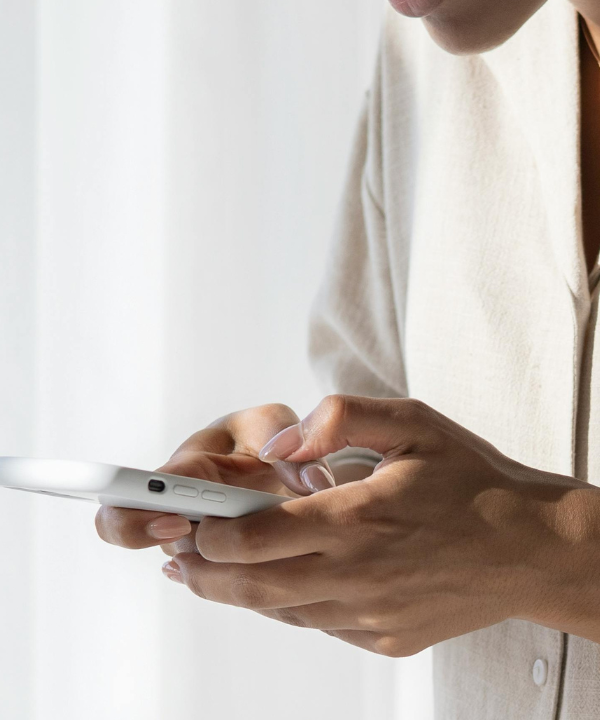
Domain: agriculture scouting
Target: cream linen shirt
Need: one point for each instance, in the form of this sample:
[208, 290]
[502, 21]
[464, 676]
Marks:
[457, 276]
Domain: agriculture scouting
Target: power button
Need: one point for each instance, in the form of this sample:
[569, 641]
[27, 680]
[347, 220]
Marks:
[214, 496]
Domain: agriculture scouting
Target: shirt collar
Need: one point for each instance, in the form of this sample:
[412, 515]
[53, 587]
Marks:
[538, 70]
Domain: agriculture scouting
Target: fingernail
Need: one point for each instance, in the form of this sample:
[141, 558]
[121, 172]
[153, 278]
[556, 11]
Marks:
[172, 571]
[169, 527]
[316, 477]
[283, 444]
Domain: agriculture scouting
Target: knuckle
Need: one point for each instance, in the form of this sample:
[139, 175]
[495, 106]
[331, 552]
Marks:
[335, 408]
[394, 647]
[262, 421]
[389, 646]
[113, 527]
[194, 584]
[270, 415]
[247, 592]
[417, 411]
[427, 419]
[185, 545]
[276, 411]
[220, 422]
[374, 622]
[246, 542]
[207, 540]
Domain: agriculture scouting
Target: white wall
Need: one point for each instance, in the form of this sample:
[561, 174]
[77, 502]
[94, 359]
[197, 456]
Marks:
[169, 174]
[17, 344]
[168, 178]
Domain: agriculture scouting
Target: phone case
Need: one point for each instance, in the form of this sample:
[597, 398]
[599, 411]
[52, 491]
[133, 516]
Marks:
[132, 488]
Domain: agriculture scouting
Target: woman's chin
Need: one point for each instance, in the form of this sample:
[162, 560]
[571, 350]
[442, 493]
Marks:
[460, 30]
[415, 8]
[461, 39]
[469, 27]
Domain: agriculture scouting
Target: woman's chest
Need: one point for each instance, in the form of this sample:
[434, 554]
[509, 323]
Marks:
[489, 330]
[484, 234]
[491, 337]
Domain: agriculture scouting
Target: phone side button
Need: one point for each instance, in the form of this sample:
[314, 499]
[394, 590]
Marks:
[214, 496]
[184, 490]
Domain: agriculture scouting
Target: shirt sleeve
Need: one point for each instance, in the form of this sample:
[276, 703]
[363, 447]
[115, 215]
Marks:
[354, 343]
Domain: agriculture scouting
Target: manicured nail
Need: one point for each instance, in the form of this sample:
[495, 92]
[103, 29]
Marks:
[283, 444]
[316, 477]
[172, 571]
[169, 527]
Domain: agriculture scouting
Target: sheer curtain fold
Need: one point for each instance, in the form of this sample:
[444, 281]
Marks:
[169, 178]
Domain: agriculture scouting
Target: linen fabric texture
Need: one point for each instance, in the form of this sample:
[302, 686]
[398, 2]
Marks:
[457, 276]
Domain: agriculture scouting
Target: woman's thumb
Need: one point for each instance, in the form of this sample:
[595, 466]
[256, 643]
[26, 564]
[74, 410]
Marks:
[341, 420]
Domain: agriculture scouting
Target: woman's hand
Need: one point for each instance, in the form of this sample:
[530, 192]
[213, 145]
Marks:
[224, 452]
[447, 536]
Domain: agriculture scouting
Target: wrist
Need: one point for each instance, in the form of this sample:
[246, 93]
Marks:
[562, 579]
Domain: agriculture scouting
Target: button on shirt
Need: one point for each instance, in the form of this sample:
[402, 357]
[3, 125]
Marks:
[540, 671]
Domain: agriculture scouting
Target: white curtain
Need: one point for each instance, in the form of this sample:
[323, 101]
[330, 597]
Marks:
[169, 172]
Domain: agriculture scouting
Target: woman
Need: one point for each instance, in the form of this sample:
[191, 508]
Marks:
[464, 277]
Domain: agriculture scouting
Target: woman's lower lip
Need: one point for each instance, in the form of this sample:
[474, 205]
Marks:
[415, 8]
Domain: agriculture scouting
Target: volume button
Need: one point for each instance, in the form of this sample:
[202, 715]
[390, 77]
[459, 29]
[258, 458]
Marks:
[185, 490]
[214, 496]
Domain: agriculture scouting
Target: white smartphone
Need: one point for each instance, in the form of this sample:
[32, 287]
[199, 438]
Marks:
[131, 488]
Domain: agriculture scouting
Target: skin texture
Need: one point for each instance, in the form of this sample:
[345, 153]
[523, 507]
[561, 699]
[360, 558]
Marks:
[447, 536]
